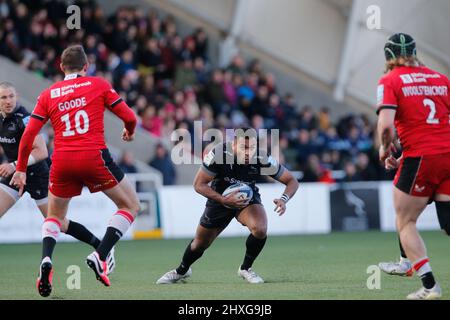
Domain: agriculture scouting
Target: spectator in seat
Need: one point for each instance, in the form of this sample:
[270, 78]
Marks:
[351, 172]
[163, 164]
[365, 170]
[127, 163]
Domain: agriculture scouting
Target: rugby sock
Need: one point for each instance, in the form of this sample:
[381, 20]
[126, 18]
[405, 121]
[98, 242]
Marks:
[189, 257]
[80, 232]
[50, 233]
[423, 270]
[254, 247]
[402, 251]
[117, 227]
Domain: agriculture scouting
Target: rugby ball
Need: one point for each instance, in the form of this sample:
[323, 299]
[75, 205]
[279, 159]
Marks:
[244, 191]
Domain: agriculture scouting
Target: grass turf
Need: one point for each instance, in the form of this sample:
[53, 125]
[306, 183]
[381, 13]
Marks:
[295, 267]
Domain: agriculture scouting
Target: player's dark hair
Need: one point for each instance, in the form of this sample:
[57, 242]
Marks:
[245, 132]
[74, 58]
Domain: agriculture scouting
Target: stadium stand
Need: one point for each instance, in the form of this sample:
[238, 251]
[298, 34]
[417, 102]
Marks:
[171, 82]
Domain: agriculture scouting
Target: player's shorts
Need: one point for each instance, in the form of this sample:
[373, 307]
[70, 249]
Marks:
[424, 176]
[71, 171]
[217, 216]
[37, 184]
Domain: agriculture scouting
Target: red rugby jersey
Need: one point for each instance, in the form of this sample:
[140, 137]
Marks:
[421, 98]
[75, 107]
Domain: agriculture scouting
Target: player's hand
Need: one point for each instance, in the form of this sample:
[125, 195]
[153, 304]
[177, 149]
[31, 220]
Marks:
[385, 153]
[391, 163]
[126, 136]
[19, 180]
[280, 206]
[233, 201]
[6, 170]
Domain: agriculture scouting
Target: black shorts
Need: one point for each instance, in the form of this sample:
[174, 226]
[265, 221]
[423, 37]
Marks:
[217, 216]
[37, 182]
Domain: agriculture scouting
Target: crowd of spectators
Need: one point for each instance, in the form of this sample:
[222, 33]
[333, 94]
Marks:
[170, 82]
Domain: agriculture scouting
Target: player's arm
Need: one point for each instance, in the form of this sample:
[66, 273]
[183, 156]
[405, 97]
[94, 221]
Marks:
[201, 186]
[387, 104]
[39, 152]
[291, 184]
[386, 133]
[25, 147]
[126, 114]
[119, 107]
[37, 120]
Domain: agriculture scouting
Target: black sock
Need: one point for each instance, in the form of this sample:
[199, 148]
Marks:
[254, 247]
[428, 280]
[48, 245]
[402, 251]
[80, 232]
[111, 237]
[189, 257]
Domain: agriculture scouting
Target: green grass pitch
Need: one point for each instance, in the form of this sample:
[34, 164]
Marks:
[295, 267]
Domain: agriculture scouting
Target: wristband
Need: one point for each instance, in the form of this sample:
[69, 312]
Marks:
[285, 197]
[14, 163]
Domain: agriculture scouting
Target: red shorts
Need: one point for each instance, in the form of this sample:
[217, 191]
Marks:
[424, 176]
[70, 171]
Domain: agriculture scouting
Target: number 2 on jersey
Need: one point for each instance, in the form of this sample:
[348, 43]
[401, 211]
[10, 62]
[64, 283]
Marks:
[431, 116]
[78, 128]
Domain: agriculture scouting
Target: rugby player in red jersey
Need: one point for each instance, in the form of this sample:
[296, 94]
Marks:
[75, 108]
[414, 100]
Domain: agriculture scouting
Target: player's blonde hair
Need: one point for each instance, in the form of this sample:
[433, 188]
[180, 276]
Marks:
[6, 85]
[410, 61]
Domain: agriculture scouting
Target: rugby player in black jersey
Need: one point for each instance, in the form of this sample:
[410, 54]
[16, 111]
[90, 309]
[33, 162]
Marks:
[238, 161]
[13, 120]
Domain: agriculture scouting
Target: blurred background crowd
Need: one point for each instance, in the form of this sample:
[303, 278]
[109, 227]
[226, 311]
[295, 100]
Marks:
[170, 82]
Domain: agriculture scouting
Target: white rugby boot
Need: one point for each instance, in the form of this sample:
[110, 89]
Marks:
[250, 275]
[426, 294]
[173, 276]
[401, 268]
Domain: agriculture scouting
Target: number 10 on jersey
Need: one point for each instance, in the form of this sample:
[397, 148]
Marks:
[81, 123]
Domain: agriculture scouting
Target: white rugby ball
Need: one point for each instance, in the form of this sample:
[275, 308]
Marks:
[244, 191]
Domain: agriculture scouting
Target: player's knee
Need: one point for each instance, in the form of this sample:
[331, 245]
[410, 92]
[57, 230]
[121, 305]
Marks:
[259, 231]
[64, 225]
[443, 213]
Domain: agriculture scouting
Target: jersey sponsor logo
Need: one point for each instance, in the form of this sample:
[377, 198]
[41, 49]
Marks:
[55, 93]
[12, 127]
[65, 90]
[418, 188]
[71, 76]
[418, 77]
[380, 94]
[406, 78]
[234, 181]
[7, 140]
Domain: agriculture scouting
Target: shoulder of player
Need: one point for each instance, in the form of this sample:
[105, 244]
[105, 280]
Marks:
[99, 81]
[21, 112]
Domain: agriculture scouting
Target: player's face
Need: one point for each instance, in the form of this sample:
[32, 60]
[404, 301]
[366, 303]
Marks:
[8, 100]
[245, 149]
